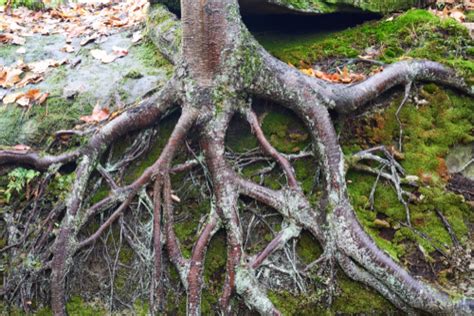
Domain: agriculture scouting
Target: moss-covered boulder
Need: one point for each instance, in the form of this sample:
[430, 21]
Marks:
[77, 86]
[316, 6]
[327, 6]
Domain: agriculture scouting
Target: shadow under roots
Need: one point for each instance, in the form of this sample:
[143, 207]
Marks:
[286, 25]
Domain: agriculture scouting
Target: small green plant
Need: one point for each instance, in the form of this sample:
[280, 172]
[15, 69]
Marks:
[19, 180]
[61, 184]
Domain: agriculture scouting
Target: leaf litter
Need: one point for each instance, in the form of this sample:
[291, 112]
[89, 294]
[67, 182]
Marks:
[93, 22]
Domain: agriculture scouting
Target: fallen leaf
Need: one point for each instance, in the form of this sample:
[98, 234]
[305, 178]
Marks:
[40, 67]
[107, 58]
[12, 38]
[12, 97]
[5, 38]
[308, 72]
[119, 52]
[381, 223]
[29, 78]
[21, 147]
[18, 40]
[9, 77]
[42, 98]
[98, 115]
[31, 97]
[137, 36]
[458, 16]
[33, 94]
[23, 101]
[68, 48]
[175, 198]
[345, 78]
[89, 39]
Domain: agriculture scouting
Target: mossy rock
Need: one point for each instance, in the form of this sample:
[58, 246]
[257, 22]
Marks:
[315, 6]
[73, 92]
[413, 34]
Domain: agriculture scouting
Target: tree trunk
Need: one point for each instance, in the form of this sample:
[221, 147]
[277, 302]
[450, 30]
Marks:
[219, 69]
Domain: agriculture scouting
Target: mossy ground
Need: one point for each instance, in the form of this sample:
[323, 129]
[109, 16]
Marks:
[414, 34]
[430, 130]
[35, 126]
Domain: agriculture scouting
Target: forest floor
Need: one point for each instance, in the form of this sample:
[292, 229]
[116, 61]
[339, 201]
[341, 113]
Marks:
[77, 67]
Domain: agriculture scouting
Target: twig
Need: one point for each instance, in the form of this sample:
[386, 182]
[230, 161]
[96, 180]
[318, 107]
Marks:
[450, 230]
[405, 98]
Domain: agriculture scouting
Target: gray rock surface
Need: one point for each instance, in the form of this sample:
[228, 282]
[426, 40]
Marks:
[77, 86]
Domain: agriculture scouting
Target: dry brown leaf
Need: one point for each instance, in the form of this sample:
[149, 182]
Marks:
[68, 48]
[458, 15]
[31, 97]
[29, 78]
[103, 56]
[12, 39]
[5, 38]
[175, 198]
[18, 40]
[12, 97]
[107, 58]
[308, 72]
[21, 147]
[98, 115]
[345, 78]
[89, 39]
[33, 94]
[23, 101]
[42, 98]
[9, 77]
[40, 67]
[119, 52]
[357, 77]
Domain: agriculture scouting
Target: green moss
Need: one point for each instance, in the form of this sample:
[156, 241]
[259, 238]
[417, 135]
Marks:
[430, 130]
[61, 184]
[285, 131]
[304, 170]
[469, 16]
[141, 308]
[414, 34]
[186, 230]
[292, 304]
[101, 193]
[239, 138]
[307, 248]
[151, 57]
[78, 307]
[134, 74]
[30, 4]
[36, 125]
[355, 298]
[425, 220]
[214, 274]
[137, 169]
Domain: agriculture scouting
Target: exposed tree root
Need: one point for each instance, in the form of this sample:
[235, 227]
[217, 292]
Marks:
[221, 69]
